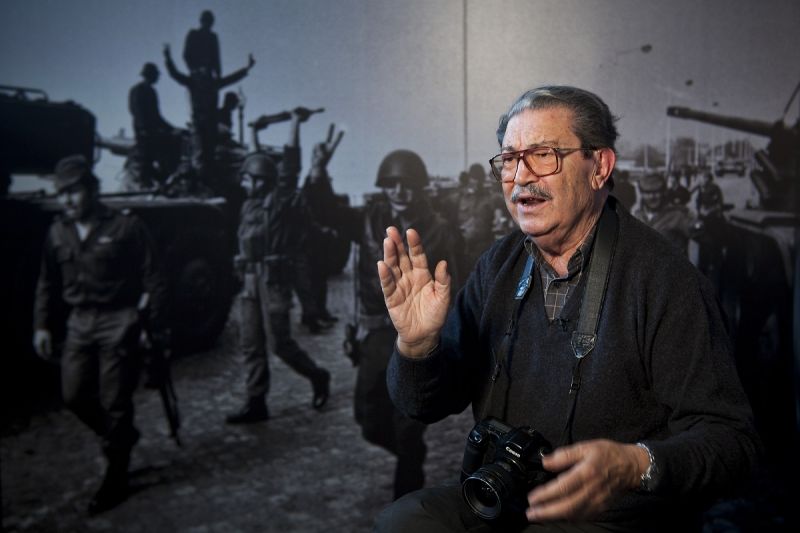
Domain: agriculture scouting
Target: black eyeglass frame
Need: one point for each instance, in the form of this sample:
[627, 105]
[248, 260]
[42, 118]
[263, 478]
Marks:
[519, 156]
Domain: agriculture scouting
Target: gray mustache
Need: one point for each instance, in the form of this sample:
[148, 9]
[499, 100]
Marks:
[532, 189]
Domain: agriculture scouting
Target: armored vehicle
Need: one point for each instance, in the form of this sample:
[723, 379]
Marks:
[196, 237]
[759, 284]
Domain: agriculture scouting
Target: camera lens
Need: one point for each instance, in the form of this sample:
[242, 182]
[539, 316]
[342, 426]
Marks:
[486, 489]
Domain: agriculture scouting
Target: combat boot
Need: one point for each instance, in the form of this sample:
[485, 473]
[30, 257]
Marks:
[114, 489]
[321, 385]
[255, 410]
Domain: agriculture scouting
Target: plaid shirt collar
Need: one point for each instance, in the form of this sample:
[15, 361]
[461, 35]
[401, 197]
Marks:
[556, 289]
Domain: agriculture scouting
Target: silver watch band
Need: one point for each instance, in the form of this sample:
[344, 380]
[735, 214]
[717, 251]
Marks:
[647, 482]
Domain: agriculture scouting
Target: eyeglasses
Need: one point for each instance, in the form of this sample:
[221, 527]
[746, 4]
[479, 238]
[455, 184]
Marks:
[540, 161]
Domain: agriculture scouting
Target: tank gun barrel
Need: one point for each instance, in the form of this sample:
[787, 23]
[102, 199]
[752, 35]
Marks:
[756, 127]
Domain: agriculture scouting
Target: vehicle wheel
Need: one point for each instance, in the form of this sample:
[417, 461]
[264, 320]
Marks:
[201, 299]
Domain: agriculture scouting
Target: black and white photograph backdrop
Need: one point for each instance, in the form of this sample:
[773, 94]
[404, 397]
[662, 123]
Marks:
[700, 88]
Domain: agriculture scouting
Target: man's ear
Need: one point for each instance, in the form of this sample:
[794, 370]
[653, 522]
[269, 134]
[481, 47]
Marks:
[606, 158]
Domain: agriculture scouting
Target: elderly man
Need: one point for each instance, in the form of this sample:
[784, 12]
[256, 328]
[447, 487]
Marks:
[586, 326]
[102, 264]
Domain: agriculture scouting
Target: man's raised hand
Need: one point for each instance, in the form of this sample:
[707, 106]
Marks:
[417, 302]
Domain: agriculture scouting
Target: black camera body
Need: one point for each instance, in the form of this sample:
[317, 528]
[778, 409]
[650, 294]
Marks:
[501, 465]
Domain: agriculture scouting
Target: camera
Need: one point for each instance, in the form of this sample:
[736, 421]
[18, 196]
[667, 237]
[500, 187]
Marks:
[501, 465]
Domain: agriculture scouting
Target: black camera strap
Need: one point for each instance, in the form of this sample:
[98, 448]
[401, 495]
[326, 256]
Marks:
[585, 335]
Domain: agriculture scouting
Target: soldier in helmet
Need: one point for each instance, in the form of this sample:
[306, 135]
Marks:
[271, 246]
[475, 215]
[655, 209]
[157, 143]
[711, 233]
[102, 264]
[402, 178]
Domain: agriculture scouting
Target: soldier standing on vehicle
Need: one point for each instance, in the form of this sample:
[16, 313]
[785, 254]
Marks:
[671, 220]
[157, 142]
[201, 47]
[102, 264]
[204, 90]
[272, 241]
[402, 177]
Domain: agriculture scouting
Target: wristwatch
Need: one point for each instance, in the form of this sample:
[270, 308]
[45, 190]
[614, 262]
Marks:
[647, 482]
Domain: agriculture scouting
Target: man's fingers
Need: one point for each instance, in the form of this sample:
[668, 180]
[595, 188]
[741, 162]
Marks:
[388, 285]
[403, 261]
[442, 277]
[416, 251]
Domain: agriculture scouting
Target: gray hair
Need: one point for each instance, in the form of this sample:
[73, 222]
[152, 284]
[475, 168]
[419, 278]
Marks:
[593, 122]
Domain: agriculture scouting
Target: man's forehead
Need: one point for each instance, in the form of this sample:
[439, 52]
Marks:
[551, 126]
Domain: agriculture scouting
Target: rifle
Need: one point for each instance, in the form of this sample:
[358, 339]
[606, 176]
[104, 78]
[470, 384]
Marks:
[158, 375]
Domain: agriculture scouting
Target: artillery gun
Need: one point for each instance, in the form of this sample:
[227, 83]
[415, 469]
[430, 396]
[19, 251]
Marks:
[759, 285]
[196, 237]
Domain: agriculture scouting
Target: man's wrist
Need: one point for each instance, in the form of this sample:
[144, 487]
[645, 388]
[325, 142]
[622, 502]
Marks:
[647, 478]
[417, 350]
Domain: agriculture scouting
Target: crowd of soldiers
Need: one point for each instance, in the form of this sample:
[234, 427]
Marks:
[665, 204]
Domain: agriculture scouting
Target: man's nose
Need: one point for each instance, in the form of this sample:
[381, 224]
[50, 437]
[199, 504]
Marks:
[522, 175]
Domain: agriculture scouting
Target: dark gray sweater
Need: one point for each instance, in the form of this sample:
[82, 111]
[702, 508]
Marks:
[662, 371]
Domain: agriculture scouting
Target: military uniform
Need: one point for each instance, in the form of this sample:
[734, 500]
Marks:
[271, 238]
[710, 253]
[672, 221]
[204, 93]
[381, 423]
[155, 141]
[102, 279]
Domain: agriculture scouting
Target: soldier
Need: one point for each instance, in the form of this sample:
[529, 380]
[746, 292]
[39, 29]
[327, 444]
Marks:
[322, 202]
[711, 234]
[401, 177]
[475, 215]
[677, 194]
[229, 103]
[201, 47]
[272, 241]
[102, 264]
[671, 220]
[156, 139]
[204, 89]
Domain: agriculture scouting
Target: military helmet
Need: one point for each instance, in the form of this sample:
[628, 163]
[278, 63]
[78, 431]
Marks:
[405, 166]
[260, 166]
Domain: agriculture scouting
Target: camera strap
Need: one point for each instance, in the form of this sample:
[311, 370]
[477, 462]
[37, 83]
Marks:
[585, 335]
